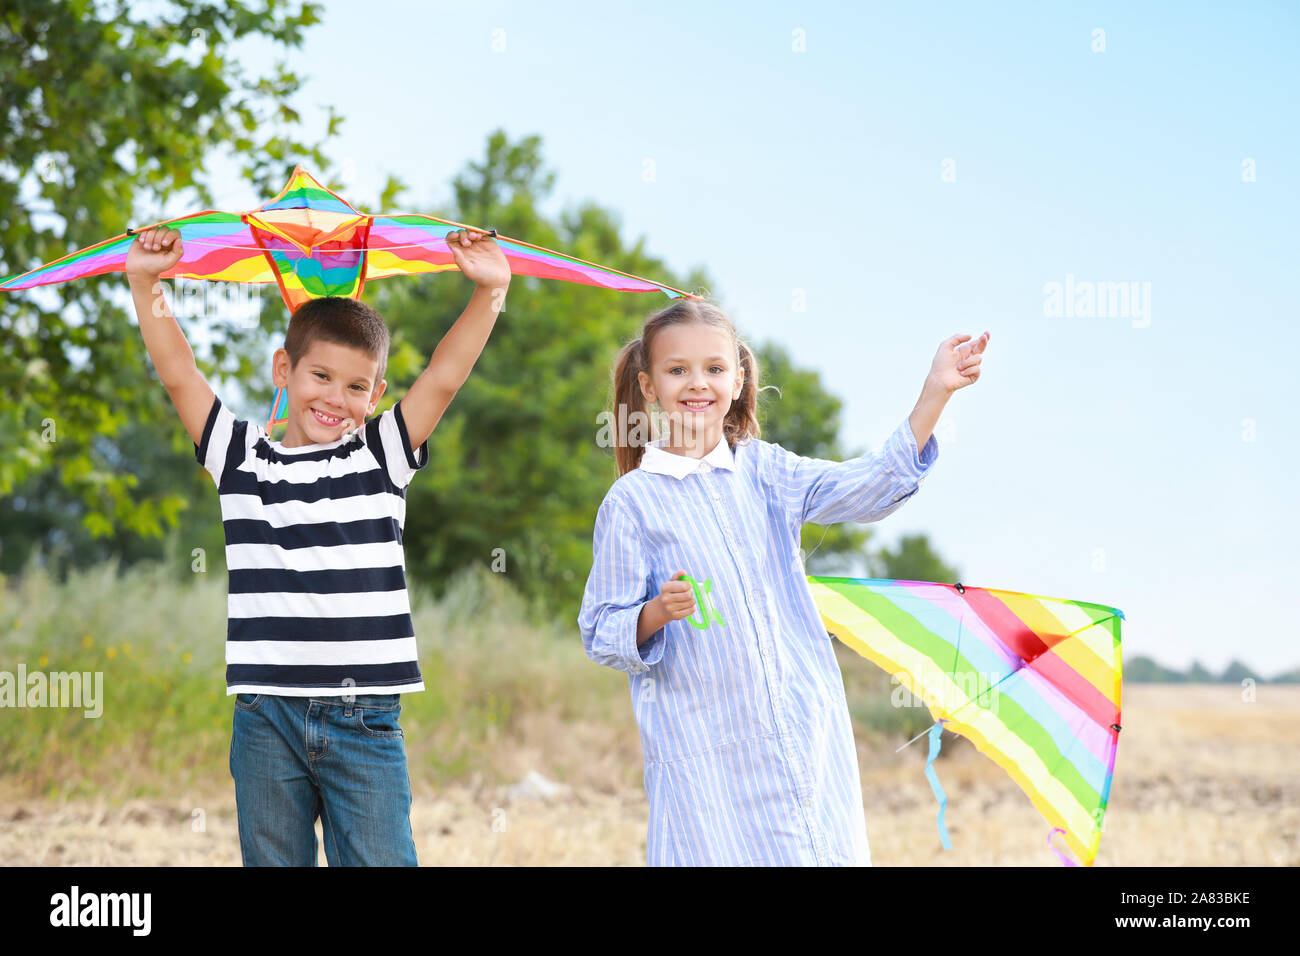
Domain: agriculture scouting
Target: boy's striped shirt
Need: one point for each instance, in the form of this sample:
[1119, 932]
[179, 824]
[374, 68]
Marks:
[317, 600]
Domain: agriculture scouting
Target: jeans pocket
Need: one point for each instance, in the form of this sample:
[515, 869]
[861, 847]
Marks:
[379, 722]
[248, 701]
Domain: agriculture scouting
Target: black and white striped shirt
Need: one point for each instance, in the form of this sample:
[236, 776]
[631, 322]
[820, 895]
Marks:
[317, 603]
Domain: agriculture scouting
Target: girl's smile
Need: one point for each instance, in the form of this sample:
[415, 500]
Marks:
[694, 376]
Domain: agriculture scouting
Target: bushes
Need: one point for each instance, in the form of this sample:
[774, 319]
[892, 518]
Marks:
[506, 689]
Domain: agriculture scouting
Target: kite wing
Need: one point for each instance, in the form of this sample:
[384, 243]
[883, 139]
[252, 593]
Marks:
[1033, 682]
[413, 244]
[312, 243]
[218, 245]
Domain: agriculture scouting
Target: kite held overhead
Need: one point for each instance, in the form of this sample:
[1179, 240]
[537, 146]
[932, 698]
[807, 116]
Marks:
[312, 243]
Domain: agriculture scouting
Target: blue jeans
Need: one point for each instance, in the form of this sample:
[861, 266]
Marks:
[298, 758]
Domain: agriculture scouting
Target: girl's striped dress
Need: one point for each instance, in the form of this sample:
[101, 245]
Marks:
[749, 752]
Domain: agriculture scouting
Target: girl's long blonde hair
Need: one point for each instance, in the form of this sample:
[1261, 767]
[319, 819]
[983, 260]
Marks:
[742, 418]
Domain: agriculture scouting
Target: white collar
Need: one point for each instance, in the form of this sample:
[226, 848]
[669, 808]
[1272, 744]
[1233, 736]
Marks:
[656, 460]
[300, 449]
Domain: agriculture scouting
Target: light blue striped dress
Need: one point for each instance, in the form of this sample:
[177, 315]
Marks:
[745, 731]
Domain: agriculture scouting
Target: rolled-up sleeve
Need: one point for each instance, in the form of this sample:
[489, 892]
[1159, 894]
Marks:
[617, 589]
[861, 489]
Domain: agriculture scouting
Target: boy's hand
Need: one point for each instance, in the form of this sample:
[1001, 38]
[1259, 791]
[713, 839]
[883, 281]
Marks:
[154, 252]
[480, 258]
[958, 365]
[677, 597]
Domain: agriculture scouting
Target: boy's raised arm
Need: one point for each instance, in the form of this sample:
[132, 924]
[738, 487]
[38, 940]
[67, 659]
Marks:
[480, 258]
[153, 253]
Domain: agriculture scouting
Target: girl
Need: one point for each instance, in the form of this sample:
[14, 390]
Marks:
[697, 591]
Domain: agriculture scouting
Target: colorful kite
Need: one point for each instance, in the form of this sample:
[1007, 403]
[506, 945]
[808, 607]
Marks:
[311, 243]
[1033, 682]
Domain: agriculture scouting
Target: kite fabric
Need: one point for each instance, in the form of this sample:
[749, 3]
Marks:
[311, 243]
[1033, 682]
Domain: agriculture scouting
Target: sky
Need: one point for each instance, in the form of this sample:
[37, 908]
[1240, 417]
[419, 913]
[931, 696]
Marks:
[863, 181]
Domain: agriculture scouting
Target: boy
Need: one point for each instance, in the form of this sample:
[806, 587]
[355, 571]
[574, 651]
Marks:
[320, 643]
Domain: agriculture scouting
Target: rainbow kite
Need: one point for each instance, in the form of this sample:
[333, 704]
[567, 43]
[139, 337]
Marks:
[311, 243]
[1033, 682]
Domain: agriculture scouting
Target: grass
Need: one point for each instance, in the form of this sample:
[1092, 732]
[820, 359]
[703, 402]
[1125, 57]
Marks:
[504, 690]
[1205, 775]
[491, 674]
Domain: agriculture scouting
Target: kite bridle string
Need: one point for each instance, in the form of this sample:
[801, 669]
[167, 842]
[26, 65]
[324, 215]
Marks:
[1109, 617]
[1013, 673]
[819, 544]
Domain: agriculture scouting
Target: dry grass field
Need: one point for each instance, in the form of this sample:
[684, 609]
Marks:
[1202, 778]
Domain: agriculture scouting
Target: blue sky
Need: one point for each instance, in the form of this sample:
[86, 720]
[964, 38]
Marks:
[1136, 460]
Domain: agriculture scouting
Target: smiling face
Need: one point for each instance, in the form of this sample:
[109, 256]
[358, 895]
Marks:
[330, 384]
[694, 376]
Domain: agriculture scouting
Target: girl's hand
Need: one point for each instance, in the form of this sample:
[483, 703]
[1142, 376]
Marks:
[154, 252]
[677, 597]
[958, 365]
[480, 258]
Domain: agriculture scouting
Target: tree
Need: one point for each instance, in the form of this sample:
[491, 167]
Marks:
[914, 560]
[797, 413]
[1145, 670]
[1197, 674]
[1236, 672]
[516, 475]
[107, 114]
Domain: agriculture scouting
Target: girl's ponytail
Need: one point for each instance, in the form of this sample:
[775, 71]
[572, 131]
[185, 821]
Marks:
[629, 407]
[742, 418]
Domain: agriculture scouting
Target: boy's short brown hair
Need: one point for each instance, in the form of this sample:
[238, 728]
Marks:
[342, 321]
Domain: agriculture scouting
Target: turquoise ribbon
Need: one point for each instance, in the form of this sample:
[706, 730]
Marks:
[935, 733]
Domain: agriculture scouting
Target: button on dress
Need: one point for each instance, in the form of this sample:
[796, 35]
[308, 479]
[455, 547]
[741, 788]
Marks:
[745, 730]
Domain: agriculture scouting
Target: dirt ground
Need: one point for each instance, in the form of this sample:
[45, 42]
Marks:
[1203, 777]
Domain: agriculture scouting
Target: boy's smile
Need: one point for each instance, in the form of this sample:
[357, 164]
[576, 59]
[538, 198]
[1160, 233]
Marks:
[331, 384]
[694, 378]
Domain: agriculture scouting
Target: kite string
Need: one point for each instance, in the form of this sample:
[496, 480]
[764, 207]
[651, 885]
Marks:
[956, 649]
[914, 739]
[956, 655]
[819, 544]
[377, 248]
[998, 684]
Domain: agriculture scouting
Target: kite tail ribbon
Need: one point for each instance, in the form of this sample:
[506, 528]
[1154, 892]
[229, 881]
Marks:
[1063, 858]
[279, 408]
[936, 732]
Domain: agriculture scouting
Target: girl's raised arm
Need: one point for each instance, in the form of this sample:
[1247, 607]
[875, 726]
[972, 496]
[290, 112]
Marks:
[861, 489]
